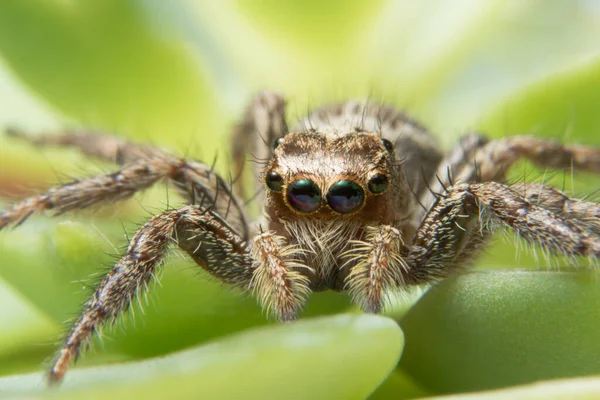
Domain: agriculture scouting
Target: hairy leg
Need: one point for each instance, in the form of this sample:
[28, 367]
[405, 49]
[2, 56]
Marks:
[280, 279]
[461, 156]
[464, 214]
[120, 185]
[196, 181]
[478, 159]
[200, 233]
[262, 124]
[202, 186]
[85, 193]
[376, 264]
[94, 144]
[583, 212]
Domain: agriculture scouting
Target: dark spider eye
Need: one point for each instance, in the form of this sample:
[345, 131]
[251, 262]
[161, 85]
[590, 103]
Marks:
[304, 195]
[378, 183]
[274, 181]
[277, 142]
[345, 196]
[388, 145]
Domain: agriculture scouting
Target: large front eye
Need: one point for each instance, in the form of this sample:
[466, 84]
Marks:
[304, 195]
[345, 196]
[274, 181]
[378, 183]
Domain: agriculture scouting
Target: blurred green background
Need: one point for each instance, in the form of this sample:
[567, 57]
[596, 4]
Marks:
[177, 74]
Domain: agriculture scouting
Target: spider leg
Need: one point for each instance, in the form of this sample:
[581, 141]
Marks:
[585, 213]
[194, 180]
[202, 186]
[375, 265]
[200, 233]
[94, 144]
[280, 279]
[457, 224]
[262, 124]
[85, 193]
[132, 178]
[460, 156]
[478, 159]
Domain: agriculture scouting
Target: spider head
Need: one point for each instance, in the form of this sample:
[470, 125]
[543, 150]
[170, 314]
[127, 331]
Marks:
[317, 176]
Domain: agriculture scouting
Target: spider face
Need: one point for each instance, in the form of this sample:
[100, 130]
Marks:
[321, 176]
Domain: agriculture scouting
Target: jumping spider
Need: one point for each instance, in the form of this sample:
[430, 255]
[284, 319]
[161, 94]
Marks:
[356, 196]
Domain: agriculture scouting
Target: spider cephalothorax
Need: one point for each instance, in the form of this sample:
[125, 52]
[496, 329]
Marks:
[356, 197]
[324, 190]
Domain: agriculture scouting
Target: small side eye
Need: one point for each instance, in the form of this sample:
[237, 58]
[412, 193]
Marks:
[277, 142]
[388, 145]
[378, 183]
[274, 181]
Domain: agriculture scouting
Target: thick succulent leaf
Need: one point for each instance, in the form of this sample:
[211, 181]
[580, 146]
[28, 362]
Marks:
[562, 106]
[102, 63]
[493, 329]
[322, 358]
[164, 73]
[560, 389]
[21, 324]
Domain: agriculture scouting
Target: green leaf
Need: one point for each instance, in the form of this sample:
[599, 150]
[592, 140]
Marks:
[314, 24]
[341, 357]
[21, 324]
[493, 329]
[563, 106]
[572, 389]
[102, 63]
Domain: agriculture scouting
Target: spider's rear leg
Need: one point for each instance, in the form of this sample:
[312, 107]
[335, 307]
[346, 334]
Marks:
[478, 159]
[88, 192]
[201, 233]
[263, 122]
[456, 226]
[94, 144]
[207, 188]
[196, 181]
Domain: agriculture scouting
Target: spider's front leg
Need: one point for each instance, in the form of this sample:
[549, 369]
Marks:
[91, 143]
[585, 213]
[280, 279]
[267, 266]
[458, 223]
[201, 233]
[375, 265]
[119, 287]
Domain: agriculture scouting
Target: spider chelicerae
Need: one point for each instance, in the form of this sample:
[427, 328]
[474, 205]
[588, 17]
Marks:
[356, 196]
